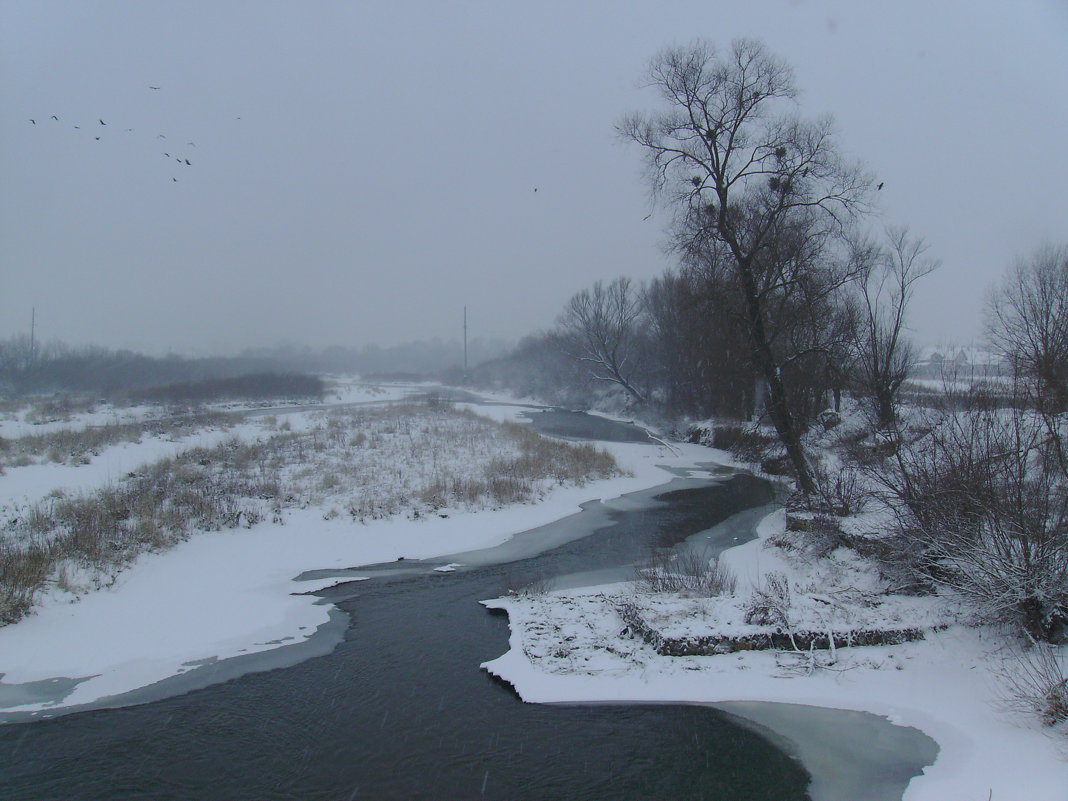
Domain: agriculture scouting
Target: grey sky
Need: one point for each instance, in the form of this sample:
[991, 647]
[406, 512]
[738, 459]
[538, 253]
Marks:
[382, 172]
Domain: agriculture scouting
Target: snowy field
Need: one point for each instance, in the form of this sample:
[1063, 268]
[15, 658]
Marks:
[22, 485]
[220, 594]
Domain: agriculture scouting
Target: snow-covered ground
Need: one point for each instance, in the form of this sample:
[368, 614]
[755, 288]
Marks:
[29, 419]
[222, 594]
[21, 486]
[225, 594]
[568, 647]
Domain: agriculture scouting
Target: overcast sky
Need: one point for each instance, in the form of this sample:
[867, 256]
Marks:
[360, 171]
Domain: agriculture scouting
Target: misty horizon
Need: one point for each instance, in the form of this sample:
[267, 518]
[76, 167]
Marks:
[359, 175]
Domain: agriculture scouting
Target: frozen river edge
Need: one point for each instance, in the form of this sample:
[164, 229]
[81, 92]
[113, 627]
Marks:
[265, 624]
[933, 703]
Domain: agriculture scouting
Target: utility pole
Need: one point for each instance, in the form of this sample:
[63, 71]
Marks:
[465, 344]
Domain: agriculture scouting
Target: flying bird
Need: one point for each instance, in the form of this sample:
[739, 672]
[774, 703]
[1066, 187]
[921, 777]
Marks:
[103, 123]
[187, 162]
[175, 180]
[34, 121]
[153, 87]
[78, 127]
[190, 143]
[880, 186]
[161, 136]
[55, 118]
[97, 138]
[647, 216]
[128, 129]
[168, 155]
[535, 189]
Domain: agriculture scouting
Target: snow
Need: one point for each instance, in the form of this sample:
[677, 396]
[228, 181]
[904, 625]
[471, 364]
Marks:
[24, 485]
[567, 647]
[221, 594]
[224, 594]
[21, 486]
[23, 422]
[352, 389]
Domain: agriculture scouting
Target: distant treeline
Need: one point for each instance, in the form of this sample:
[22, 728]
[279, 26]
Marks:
[423, 359]
[34, 368]
[253, 386]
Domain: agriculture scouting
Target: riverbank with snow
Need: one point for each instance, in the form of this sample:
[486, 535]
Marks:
[224, 594]
[575, 647]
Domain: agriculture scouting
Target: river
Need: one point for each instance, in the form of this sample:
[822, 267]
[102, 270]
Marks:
[399, 709]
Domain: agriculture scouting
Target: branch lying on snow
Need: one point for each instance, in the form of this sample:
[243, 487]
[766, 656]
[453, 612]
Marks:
[674, 451]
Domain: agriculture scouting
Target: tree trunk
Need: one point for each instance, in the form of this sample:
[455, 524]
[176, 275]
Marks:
[777, 405]
[887, 414]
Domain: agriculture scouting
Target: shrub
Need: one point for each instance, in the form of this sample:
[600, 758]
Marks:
[1036, 682]
[686, 572]
[984, 512]
[815, 538]
[746, 443]
[839, 491]
[770, 602]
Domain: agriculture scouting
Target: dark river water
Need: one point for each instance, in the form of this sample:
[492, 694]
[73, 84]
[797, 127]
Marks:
[401, 710]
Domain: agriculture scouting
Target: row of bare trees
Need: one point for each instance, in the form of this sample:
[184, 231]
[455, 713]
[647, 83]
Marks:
[778, 302]
[783, 299]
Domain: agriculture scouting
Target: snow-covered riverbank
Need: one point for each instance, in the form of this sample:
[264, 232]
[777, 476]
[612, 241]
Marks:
[228, 593]
[233, 594]
[574, 647]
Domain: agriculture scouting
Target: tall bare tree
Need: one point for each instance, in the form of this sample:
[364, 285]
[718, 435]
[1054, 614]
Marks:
[702, 362]
[599, 328]
[755, 182]
[1027, 321]
[884, 355]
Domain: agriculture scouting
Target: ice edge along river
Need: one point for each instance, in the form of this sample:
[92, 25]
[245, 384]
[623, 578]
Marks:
[155, 624]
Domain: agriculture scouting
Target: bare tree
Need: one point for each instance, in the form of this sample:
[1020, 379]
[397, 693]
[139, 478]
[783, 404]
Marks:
[702, 360]
[755, 181]
[1027, 321]
[600, 328]
[884, 356]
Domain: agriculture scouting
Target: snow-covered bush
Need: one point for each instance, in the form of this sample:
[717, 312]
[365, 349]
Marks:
[1036, 682]
[770, 602]
[815, 537]
[839, 489]
[687, 572]
[982, 502]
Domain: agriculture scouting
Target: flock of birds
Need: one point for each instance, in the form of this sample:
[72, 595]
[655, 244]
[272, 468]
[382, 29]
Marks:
[180, 158]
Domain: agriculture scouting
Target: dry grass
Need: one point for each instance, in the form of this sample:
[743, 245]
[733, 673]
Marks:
[688, 572]
[372, 462]
[78, 446]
